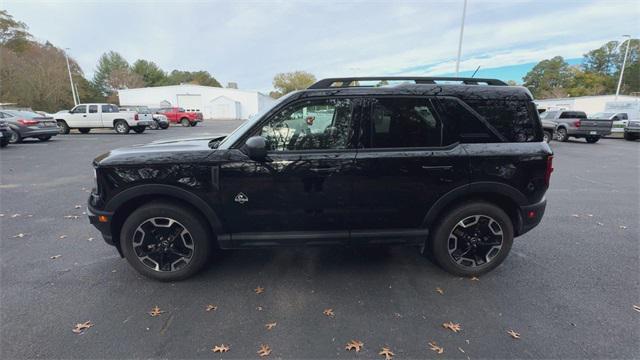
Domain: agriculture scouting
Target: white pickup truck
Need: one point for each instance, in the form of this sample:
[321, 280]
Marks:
[85, 117]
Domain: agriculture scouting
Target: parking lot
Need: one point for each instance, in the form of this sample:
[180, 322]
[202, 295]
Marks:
[568, 287]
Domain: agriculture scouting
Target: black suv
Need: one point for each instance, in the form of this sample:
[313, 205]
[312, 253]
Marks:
[456, 166]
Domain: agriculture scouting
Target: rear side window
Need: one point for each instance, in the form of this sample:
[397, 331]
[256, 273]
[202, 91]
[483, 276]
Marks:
[516, 120]
[573, 115]
[93, 109]
[461, 125]
[403, 123]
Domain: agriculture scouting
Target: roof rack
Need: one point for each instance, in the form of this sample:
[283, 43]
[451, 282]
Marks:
[348, 81]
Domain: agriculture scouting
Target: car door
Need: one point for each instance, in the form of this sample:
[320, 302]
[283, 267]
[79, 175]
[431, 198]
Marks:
[302, 193]
[94, 118]
[78, 116]
[402, 167]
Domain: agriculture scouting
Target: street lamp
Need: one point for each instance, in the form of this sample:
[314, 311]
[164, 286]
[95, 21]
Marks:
[464, 13]
[73, 90]
[624, 63]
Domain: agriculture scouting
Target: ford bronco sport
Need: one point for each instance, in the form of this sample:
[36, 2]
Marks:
[455, 166]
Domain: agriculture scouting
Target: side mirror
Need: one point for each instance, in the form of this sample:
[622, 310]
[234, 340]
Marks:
[256, 148]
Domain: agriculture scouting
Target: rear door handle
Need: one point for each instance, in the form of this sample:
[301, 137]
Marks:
[324, 169]
[84, 115]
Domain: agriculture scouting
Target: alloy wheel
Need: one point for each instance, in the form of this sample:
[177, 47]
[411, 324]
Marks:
[475, 241]
[163, 244]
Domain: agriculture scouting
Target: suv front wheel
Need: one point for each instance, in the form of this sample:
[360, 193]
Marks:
[472, 239]
[166, 242]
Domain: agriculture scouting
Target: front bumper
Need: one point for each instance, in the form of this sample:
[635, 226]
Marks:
[530, 216]
[102, 221]
[632, 130]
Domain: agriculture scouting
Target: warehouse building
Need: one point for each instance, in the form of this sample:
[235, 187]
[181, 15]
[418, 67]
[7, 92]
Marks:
[212, 102]
[592, 104]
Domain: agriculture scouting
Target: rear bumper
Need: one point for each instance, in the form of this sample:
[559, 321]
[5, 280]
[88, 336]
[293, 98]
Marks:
[143, 123]
[589, 132]
[530, 216]
[632, 130]
[28, 132]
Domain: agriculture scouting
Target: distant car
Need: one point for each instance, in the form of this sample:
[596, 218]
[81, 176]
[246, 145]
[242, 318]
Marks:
[178, 115]
[620, 119]
[5, 133]
[576, 124]
[85, 117]
[28, 124]
[159, 121]
[632, 130]
[548, 130]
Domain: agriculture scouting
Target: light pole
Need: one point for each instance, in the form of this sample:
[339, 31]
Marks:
[73, 90]
[464, 13]
[624, 63]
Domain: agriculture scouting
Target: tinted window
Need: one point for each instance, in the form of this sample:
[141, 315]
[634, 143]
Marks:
[81, 109]
[309, 125]
[573, 115]
[106, 108]
[461, 125]
[93, 109]
[514, 119]
[403, 122]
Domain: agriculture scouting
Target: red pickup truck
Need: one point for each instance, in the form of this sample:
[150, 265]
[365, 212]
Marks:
[180, 116]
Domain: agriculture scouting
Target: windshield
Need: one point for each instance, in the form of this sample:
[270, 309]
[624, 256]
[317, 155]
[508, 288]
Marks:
[602, 115]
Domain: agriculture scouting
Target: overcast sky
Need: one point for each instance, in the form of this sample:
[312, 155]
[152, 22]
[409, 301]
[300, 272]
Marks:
[249, 42]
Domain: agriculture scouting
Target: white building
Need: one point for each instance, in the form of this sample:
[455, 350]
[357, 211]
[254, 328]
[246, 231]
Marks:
[591, 104]
[212, 102]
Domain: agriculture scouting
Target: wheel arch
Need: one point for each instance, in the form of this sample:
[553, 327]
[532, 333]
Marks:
[129, 200]
[119, 119]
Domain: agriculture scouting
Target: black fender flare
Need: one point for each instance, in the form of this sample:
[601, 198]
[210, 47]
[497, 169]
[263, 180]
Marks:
[476, 188]
[167, 191]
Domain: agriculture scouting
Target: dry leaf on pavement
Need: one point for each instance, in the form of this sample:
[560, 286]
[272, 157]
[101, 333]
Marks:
[211, 307]
[636, 308]
[62, 236]
[155, 311]
[264, 350]
[387, 353]
[270, 326]
[21, 235]
[259, 290]
[452, 326]
[513, 334]
[433, 346]
[55, 257]
[328, 312]
[78, 206]
[222, 348]
[475, 279]
[81, 327]
[354, 345]
[439, 291]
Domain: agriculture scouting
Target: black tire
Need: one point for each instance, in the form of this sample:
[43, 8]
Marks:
[15, 137]
[630, 136]
[200, 238]
[185, 122]
[44, 137]
[442, 238]
[63, 128]
[4, 142]
[561, 135]
[194, 123]
[84, 130]
[139, 129]
[121, 127]
[547, 136]
[164, 126]
[154, 125]
[592, 139]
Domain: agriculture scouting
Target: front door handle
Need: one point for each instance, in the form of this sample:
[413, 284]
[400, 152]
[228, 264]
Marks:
[324, 169]
[84, 115]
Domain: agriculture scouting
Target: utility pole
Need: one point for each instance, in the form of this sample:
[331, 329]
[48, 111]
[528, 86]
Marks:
[73, 90]
[624, 63]
[464, 13]
[77, 93]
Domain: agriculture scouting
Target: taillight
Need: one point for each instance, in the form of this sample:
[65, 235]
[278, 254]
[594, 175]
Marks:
[576, 123]
[547, 175]
[135, 117]
[27, 122]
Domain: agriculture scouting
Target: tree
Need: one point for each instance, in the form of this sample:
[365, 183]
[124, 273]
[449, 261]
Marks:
[114, 73]
[13, 33]
[602, 60]
[586, 83]
[151, 73]
[285, 83]
[549, 78]
[177, 77]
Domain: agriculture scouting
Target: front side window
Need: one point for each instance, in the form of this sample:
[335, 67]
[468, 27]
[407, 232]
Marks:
[310, 125]
[93, 109]
[81, 109]
[402, 123]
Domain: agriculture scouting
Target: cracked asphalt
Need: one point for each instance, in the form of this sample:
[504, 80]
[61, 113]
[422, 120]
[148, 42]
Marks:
[568, 287]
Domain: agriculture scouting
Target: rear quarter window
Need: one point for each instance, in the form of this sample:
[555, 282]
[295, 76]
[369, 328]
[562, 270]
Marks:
[516, 120]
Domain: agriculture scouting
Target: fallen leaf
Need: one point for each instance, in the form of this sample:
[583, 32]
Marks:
[21, 235]
[55, 257]
[81, 327]
[1, 215]
[575, 215]
[636, 308]
[259, 308]
[622, 227]
[599, 223]
[62, 236]
[433, 346]
[590, 215]
[439, 291]
[452, 326]
[264, 350]
[475, 279]
[461, 350]
[78, 206]
[258, 290]
[211, 307]
[270, 326]
[155, 311]
[387, 353]
[222, 348]
[328, 312]
[513, 334]
[15, 215]
[354, 345]
[90, 239]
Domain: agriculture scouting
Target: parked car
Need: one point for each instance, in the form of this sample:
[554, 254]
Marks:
[5, 133]
[159, 121]
[85, 117]
[337, 164]
[28, 124]
[180, 116]
[576, 124]
[632, 130]
[549, 130]
[619, 119]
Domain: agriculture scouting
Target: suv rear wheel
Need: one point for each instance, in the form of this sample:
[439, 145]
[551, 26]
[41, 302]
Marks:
[121, 127]
[472, 239]
[166, 242]
[547, 136]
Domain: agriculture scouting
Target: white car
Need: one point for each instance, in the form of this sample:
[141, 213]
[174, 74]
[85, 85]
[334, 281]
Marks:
[85, 117]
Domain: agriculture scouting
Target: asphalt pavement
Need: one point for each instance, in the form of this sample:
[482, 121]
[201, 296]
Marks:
[568, 287]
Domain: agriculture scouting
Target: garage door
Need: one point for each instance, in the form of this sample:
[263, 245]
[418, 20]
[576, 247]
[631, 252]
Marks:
[190, 102]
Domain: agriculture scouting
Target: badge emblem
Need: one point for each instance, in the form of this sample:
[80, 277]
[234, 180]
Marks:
[241, 198]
